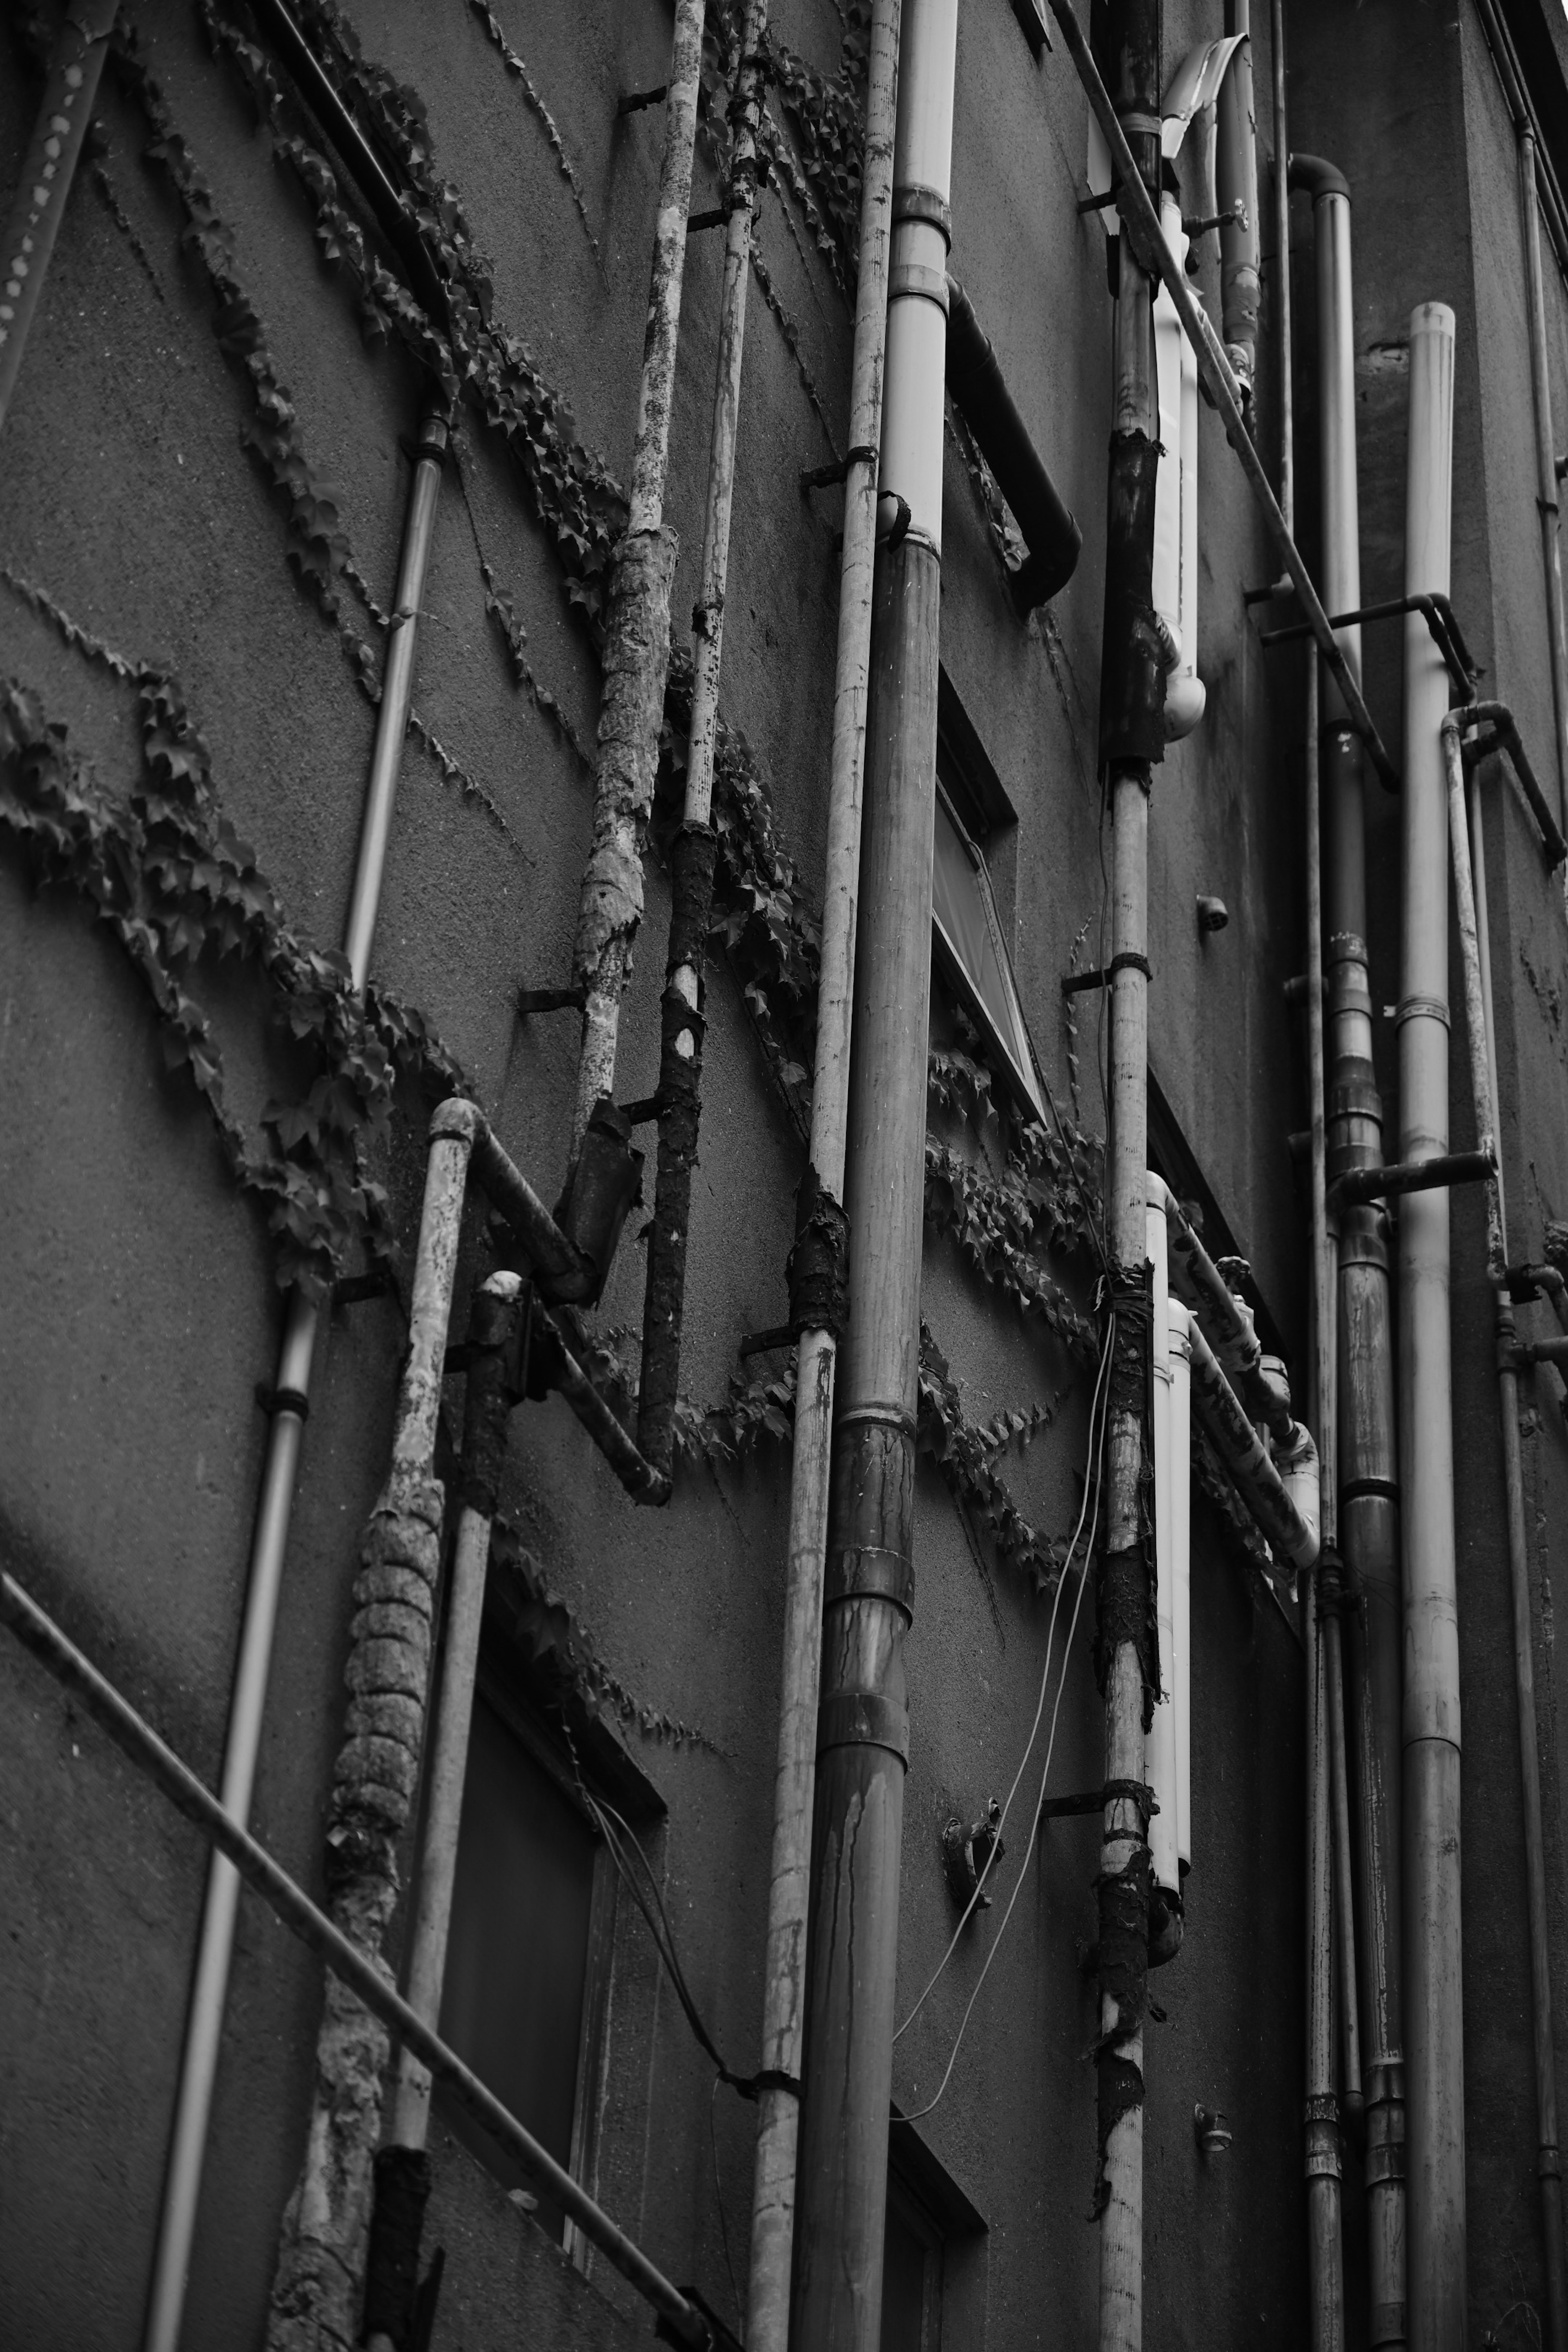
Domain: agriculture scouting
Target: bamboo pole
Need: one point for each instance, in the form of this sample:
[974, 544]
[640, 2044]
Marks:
[636, 629]
[784, 1995]
[863, 1719]
[691, 877]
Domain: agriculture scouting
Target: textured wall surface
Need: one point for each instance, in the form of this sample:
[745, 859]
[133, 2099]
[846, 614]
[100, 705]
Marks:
[141, 1309]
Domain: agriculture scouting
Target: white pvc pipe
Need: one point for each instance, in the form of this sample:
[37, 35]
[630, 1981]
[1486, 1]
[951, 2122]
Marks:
[1176, 497]
[1179, 1326]
[1434, 2014]
[1160, 1741]
[914, 406]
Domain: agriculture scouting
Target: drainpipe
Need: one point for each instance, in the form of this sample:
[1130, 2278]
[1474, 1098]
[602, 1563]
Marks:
[682, 1025]
[1237, 184]
[1286, 395]
[48, 169]
[1471, 907]
[1132, 739]
[1160, 1766]
[290, 1403]
[1181, 1357]
[636, 623]
[863, 1724]
[1545, 454]
[817, 1314]
[1368, 1491]
[979, 389]
[1176, 497]
[1433, 1956]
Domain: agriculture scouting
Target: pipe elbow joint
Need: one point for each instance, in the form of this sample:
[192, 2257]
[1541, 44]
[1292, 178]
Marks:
[1186, 699]
[1318, 177]
[459, 1118]
[1297, 1461]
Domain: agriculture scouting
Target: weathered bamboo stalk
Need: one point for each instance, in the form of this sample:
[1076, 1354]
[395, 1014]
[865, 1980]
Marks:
[692, 878]
[863, 1721]
[321, 2264]
[784, 1996]
[636, 629]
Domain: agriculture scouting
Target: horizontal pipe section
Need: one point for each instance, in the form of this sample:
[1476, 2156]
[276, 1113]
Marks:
[1246, 1459]
[978, 387]
[1359, 1185]
[562, 1270]
[636, 1474]
[1219, 380]
[39, 1633]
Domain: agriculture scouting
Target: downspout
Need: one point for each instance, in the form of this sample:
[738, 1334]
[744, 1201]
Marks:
[1180, 1356]
[1433, 1956]
[863, 1723]
[1287, 390]
[1368, 1492]
[1545, 454]
[1160, 1770]
[816, 1266]
[48, 169]
[979, 389]
[636, 623]
[1132, 739]
[1237, 185]
[1469, 891]
[682, 1025]
[289, 1406]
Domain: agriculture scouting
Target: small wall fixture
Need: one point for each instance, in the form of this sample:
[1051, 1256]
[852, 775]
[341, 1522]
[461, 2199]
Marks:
[1213, 913]
[1211, 2131]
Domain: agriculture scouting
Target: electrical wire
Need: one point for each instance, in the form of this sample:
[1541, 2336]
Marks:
[1035, 1828]
[1091, 1488]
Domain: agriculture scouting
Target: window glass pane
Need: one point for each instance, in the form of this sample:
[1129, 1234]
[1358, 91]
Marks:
[967, 926]
[518, 1956]
[903, 2286]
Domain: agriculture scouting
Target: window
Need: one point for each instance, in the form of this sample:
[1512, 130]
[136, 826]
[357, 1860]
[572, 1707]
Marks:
[933, 2263]
[529, 1905]
[526, 1995]
[967, 929]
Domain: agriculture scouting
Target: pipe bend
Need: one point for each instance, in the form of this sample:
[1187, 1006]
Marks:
[1319, 177]
[459, 1116]
[978, 387]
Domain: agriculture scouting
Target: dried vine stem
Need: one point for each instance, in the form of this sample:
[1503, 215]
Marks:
[517, 68]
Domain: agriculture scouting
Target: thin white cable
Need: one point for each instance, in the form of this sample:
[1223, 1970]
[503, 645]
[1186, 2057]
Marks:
[1034, 1829]
[1089, 1488]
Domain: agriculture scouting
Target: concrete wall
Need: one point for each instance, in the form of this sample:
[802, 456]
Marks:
[141, 1311]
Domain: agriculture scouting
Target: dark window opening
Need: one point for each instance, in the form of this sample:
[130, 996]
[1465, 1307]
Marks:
[934, 2284]
[975, 834]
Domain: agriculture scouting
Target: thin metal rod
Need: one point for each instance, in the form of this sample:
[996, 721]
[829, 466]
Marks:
[279, 1476]
[252, 1862]
[1138, 214]
[48, 169]
[795, 1770]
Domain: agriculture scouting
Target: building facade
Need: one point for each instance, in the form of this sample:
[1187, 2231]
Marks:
[247, 397]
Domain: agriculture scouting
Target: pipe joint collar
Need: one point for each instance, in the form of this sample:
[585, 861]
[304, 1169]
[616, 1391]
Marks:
[918, 203]
[861, 1718]
[459, 1120]
[871, 1572]
[918, 278]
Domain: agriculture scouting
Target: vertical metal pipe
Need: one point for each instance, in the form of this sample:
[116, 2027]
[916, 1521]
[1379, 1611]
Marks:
[1236, 180]
[1471, 898]
[795, 1782]
[1545, 453]
[863, 1721]
[636, 629]
[682, 1025]
[290, 1403]
[1433, 1953]
[492, 1335]
[1160, 1769]
[1282, 273]
[48, 169]
[1321, 1586]
[1132, 739]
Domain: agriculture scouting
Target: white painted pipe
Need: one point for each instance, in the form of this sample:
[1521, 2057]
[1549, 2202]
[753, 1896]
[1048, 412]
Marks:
[1434, 2013]
[1176, 497]
[913, 404]
[1181, 1363]
[1160, 1741]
